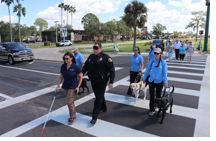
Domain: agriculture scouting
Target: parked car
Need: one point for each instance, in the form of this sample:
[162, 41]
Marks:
[157, 42]
[30, 41]
[66, 42]
[14, 52]
[39, 40]
[157, 37]
[144, 38]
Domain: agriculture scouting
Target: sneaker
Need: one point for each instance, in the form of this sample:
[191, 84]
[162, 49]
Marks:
[128, 97]
[71, 120]
[151, 113]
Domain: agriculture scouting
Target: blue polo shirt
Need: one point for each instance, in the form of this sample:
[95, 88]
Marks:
[152, 56]
[158, 74]
[70, 76]
[136, 63]
[79, 59]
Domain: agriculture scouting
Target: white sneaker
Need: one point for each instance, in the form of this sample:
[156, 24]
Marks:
[128, 97]
[151, 113]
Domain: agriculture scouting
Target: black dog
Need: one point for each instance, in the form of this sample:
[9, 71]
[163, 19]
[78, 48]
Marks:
[83, 86]
[164, 103]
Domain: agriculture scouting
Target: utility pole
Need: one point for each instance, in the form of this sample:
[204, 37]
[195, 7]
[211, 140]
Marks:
[207, 26]
[56, 31]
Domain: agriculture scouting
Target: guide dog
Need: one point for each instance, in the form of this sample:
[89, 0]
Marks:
[83, 86]
[164, 103]
[136, 88]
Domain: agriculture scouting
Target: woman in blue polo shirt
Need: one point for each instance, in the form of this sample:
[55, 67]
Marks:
[158, 77]
[69, 72]
[136, 67]
[151, 53]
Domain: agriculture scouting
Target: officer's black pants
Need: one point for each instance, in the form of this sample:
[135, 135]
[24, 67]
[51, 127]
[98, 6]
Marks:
[99, 88]
[133, 75]
[177, 53]
[152, 87]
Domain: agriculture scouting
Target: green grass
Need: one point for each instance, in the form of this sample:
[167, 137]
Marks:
[35, 47]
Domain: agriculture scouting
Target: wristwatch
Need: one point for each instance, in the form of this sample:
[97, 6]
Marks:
[78, 86]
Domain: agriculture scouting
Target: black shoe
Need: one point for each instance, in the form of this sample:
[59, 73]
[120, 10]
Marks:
[93, 121]
[103, 111]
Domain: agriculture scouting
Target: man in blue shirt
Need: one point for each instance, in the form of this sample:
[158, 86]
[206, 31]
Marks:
[79, 57]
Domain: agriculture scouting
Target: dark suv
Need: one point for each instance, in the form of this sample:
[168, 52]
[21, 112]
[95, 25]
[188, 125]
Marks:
[14, 52]
[157, 42]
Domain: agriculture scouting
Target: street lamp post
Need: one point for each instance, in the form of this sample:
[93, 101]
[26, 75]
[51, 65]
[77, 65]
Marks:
[56, 30]
[207, 26]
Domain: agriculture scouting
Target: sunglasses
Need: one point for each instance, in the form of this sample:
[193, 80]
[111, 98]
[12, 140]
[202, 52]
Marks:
[95, 47]
[156, 53]
[135, 49]
[66, 58]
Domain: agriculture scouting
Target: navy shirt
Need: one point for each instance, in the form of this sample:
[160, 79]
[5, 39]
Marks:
[70, 76]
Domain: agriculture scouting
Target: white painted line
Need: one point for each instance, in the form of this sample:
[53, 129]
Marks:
[184, 73]
[177, 90]
[6, 96]
[184, 64]
[188, 68]
[192, 62]
[28, 96]
[184, 80]
[112, 130]
[118, 68]
[177, 110]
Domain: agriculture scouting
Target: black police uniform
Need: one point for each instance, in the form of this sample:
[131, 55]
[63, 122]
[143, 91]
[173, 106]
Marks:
[100, 69]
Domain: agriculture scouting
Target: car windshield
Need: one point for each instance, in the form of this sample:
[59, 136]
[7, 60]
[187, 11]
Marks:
[16, 46]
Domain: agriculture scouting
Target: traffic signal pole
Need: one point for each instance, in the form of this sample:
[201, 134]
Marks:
[207, 26]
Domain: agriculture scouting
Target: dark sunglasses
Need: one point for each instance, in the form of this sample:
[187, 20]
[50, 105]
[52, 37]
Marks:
[156, 53]
[95, 47]
[66, 58]
[135, 49]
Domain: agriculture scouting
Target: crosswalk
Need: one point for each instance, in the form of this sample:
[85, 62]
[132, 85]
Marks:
[123, 119]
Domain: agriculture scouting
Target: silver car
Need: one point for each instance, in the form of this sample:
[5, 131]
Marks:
[66, 42]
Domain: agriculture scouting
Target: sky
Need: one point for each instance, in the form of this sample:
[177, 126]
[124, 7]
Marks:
[174, 14]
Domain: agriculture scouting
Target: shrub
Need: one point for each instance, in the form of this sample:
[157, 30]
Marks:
[47, 43]
[147, 43]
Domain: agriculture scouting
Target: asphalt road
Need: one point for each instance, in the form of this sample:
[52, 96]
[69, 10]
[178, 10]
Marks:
[27, 90]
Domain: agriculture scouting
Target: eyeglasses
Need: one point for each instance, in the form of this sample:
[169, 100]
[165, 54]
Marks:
[135, 49]
[156, 53]
[95, 47]
[66, 58]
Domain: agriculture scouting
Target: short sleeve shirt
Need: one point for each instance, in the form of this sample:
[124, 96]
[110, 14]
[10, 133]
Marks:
[70, 76]
[79, 59]
[190, 48]
[136, 63]
[182, 50]
[152, 56]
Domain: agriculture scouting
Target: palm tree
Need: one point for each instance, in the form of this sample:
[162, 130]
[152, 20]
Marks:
[72, 10]
[8, 2]
[135, 15]
[21, 10]
[61, 6]
[67, 8]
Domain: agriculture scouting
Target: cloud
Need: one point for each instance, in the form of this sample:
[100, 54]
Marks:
[155, 6]
[83, 7]
[6, 18]
[113, 17]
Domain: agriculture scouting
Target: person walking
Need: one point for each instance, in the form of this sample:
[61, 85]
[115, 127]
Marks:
[162, 46]
[79, 57]
[170, 50]
[100, 69]
[136, 67]
[182, 52]
[115, 48]
[69, 72]
[199, 47]
[190, 51]
[177, 46]
[151, 53]
[157, 79]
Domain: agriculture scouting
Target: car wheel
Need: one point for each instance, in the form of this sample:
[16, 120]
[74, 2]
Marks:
[30, 60]
[10, 60]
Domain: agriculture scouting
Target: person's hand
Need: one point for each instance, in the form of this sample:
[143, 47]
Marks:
[140, 73]
[57, 89]
[110, 86]
[77, 89]
[166, 85]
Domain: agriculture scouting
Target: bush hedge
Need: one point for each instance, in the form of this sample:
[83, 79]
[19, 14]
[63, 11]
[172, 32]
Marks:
[47, 43]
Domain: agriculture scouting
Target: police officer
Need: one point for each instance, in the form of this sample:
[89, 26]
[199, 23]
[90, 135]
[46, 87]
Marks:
[100, 69]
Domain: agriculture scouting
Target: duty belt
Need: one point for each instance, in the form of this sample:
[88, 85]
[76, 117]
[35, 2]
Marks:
[98, 77]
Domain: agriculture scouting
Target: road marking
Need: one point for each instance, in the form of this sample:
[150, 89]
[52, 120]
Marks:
[6, 96]
[177, 110]
[188, 68]
[48, 61]
[185, 73]
[183, 64]
[112, 130]
[184, 80]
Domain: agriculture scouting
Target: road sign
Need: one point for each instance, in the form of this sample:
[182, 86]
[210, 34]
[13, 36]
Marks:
[72, 36]
[35, 34]
[63, 32]
[201, 32]
[144, 29]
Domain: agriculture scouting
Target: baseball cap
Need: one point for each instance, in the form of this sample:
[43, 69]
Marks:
[74, 48]
[158, 50]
